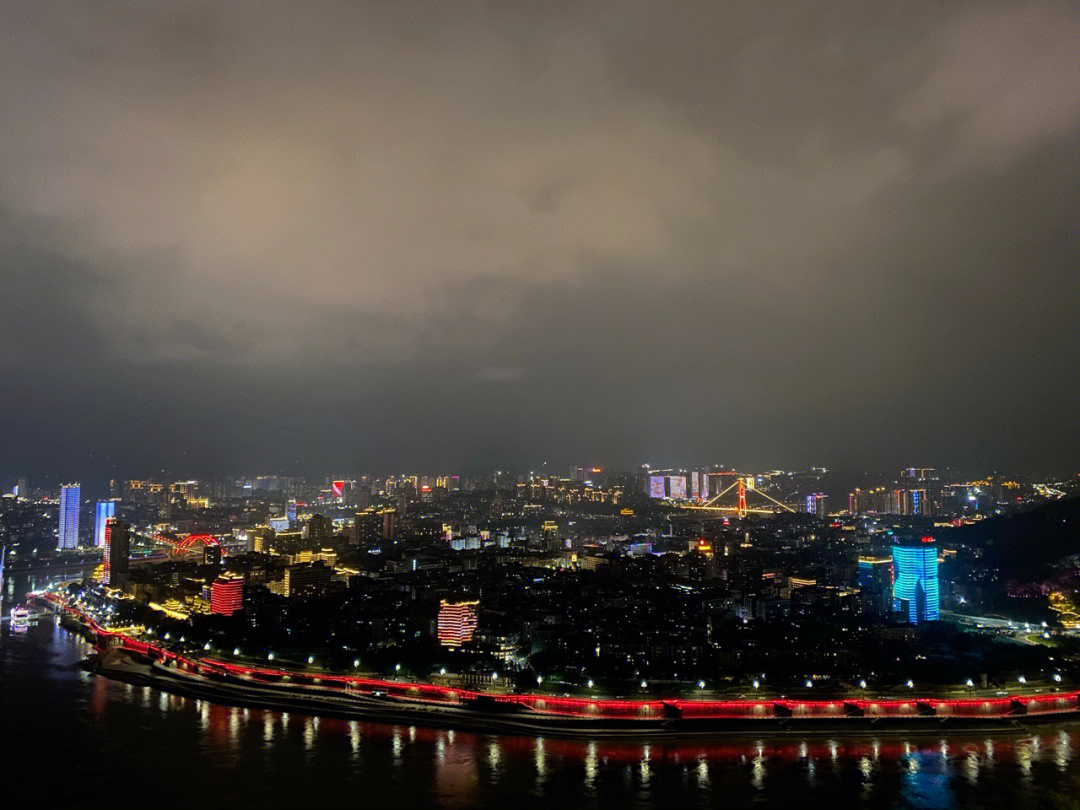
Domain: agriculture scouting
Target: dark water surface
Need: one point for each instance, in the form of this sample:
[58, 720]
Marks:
[71, 739]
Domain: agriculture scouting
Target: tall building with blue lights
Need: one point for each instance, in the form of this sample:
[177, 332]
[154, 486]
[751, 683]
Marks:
[102, 512]
[915, 580]
[69, 516]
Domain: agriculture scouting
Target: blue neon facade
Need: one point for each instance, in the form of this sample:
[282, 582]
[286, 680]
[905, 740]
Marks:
[69, 516]
[915, 585]
[102, 512]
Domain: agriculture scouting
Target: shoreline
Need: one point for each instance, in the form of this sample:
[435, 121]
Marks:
[327, 702]
[414, 702]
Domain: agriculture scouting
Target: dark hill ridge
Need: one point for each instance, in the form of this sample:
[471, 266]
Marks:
[1024, 545]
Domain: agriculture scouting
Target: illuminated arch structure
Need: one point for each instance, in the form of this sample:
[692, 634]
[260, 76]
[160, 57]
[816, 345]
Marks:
[189, 542]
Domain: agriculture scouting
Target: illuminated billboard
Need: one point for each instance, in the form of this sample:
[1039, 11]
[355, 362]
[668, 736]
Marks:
[337, 489]
[656, 487]
[677, 485]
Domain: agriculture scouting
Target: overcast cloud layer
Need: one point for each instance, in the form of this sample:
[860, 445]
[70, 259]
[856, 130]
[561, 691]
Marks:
[442, 236]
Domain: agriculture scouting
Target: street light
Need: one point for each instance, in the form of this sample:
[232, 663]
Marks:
[910, 684]
[590, 683]
[236, 651]
[397, 667]
[1057, 677]
[970, 683]
[756, 683]
[862, 684]
[644, 685]
[356, 663]
[311, 660]
[1022, 679]
[442, 670]
[539, 679]
[269, 656]
[809, 684]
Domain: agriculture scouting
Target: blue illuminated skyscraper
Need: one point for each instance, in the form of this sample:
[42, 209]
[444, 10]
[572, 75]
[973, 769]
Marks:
[103, 511]
[915, 587]
[69, 516]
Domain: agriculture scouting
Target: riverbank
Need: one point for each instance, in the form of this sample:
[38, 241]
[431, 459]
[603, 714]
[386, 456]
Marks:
[357, 697]
[487, 716]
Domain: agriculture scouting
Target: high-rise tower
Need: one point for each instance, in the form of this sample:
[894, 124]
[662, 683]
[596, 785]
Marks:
[69, 516]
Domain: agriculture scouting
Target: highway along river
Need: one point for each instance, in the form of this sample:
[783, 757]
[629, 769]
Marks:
[73, 739]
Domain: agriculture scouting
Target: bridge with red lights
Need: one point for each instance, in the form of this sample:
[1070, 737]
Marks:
[742, 498]
[183, 545]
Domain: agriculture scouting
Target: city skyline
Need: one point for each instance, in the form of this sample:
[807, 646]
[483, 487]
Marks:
[395, 236]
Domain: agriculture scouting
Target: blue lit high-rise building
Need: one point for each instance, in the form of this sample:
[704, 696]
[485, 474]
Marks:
[915, 585]
[102, 512]
[69, 516]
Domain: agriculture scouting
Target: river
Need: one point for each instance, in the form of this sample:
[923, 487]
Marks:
[81, 740]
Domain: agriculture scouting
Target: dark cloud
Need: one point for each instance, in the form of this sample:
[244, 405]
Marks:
[416, 235]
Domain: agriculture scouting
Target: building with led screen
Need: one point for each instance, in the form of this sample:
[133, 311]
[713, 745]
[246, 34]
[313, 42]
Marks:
[915, 580]
[457, 622]
[69, 516]
[227, 595]
[116, 551]
[102, 512]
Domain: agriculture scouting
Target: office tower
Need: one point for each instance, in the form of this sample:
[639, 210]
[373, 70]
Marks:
[69, 516]
[227, 595]
[457, 622]
[116, 551]
[22, 489]
[549, 534]
[102, 512]
[817, 504]
[307, 579]
[876, 583]
[290, 512]
[319, 527]
[389, 524]
[915, 584]
[212, 554]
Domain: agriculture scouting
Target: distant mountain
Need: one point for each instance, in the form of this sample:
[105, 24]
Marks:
[1024, 545]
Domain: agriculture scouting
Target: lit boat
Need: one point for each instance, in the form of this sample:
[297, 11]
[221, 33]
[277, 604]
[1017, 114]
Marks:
[21, 613]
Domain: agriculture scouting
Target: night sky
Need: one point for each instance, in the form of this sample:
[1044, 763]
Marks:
[449, 237]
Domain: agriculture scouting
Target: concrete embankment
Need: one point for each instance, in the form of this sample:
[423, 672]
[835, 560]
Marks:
[484, 716]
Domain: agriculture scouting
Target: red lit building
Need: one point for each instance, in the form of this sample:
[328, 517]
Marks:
[227, 595]
[115, 553]
[457, 622]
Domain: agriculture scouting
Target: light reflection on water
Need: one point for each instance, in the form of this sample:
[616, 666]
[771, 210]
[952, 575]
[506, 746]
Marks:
[455, 768]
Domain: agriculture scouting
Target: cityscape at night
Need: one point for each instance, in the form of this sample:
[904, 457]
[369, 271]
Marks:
[481, 404]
